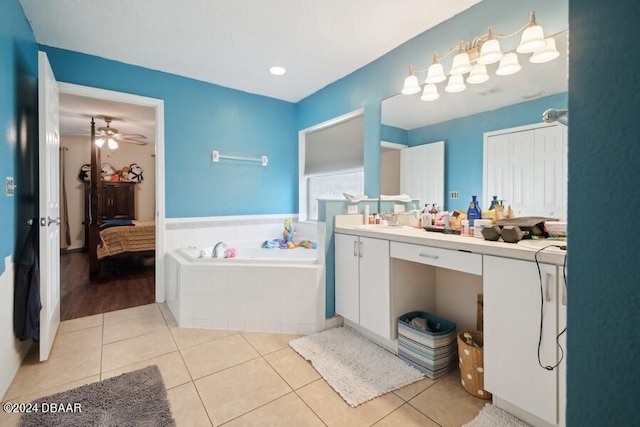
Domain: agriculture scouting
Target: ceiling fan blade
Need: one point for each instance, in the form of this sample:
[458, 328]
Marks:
[131, 135]
[132, 141]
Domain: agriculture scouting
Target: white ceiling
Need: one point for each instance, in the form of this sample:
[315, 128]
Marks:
[76, 113]
[233, 43]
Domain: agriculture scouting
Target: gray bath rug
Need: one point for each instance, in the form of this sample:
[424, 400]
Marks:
[137, 398]
[492, 416]
[357, 369]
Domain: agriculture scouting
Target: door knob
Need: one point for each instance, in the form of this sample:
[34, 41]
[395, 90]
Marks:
[51, 220]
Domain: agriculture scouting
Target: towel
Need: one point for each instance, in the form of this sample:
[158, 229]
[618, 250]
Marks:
[355, 197]
[397, 198]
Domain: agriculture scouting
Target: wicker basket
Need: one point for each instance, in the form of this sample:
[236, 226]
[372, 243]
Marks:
[471, 362]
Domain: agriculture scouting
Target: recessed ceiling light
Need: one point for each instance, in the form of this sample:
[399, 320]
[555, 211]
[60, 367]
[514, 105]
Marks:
[277, 71]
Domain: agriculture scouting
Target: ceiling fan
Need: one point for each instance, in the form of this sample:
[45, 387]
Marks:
[111, 135]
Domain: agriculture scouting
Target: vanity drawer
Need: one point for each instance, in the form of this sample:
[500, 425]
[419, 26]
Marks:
[445, 258]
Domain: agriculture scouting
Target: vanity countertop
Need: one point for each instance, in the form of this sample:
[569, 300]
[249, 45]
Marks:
[523, 250]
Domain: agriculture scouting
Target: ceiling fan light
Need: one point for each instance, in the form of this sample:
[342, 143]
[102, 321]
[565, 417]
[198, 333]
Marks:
[435, 74]
[411, 85]
[456, 84]
[532, 40]
[430, 92]
[461, 64]
[508, 65]
[478, 74]
[490, 52]
[546, 54]
[112, 144]
[99, 142]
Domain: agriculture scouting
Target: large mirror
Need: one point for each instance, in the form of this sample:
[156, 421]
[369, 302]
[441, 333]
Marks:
[461, 119]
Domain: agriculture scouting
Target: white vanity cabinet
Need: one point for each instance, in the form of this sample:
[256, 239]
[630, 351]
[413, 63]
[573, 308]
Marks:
[362, 282]
[515, 295]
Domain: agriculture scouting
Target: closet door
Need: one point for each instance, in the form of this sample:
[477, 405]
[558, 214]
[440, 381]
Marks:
[550, 172]
[422, 173]
[510, 171]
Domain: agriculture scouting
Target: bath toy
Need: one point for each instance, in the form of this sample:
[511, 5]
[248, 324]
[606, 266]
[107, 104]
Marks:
[288, 230]
[230, 253]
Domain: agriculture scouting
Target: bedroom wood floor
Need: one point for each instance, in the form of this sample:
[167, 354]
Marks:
[127, 283]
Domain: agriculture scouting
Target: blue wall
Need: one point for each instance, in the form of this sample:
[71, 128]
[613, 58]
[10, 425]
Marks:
[18, 101]
[201, 117]
[394, 134]
[464, 143]
[604, 174]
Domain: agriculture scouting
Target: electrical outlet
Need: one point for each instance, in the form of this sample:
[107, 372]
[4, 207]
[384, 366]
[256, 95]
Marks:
[398, 208]
[352, 209]
[454, 195]
[10, 186]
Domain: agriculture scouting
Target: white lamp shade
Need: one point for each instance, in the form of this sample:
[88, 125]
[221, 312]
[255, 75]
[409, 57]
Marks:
[546, 54]
[112, 144]
[100, 142]
[411, 85]
[532, 40]
[490, 52]
[461, 64]
[456, 84]
[435, 74]
[508, 65]
[430, 92]
[478, 74]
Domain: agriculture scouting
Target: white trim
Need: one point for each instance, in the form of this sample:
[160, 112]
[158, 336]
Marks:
[302, 134]
[393, 145]
[229, 218]
[158, 104]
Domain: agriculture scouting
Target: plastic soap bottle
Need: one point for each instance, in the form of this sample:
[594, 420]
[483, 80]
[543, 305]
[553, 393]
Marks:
[494, 203]
[473, 212]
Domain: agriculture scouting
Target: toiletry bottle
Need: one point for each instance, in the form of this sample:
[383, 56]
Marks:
[494, 203]
[426, 216]
[366, 214]
[473, 212]
[434, 214]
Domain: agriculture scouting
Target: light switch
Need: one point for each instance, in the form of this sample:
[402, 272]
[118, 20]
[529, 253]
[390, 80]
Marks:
[10, 186]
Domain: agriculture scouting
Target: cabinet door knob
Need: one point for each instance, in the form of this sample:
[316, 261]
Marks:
[355, 248]
[360, 250]
[423, 255]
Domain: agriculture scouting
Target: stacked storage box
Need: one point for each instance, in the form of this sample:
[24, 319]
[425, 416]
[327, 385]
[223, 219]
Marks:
[432, 351]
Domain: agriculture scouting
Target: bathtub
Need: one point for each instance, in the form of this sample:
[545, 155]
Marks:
[264, 290]
[253, 255]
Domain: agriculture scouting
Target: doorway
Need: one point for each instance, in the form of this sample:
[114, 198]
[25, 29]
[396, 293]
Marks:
[129, 281]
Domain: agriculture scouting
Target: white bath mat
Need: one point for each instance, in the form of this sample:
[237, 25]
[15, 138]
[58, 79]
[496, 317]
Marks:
[492, 416]
[358, 369]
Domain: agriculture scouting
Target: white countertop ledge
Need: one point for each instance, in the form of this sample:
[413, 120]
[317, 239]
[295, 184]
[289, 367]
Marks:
[523, 250]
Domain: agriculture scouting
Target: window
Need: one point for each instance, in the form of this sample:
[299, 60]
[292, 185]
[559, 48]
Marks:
[331, 162]
[332, 186]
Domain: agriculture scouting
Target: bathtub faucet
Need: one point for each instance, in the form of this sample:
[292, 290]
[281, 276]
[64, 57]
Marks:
[214, 252]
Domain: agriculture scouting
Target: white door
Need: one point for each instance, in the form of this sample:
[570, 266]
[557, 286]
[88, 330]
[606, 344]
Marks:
[49, 192]
[422, 173]
[374, 286]
[550, 172]
[347, 291]
[512, 310]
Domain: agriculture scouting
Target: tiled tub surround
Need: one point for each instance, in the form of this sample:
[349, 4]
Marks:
[249, 295]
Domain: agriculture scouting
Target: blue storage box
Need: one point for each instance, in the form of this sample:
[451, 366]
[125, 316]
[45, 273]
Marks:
[433, 351]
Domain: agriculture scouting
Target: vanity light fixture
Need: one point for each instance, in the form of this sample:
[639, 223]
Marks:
[474, 57]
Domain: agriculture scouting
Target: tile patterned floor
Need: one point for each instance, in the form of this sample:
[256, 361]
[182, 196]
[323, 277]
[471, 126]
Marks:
[225, 378]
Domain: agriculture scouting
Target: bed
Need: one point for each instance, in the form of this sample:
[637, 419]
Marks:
[107, 241]
[139, 239]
